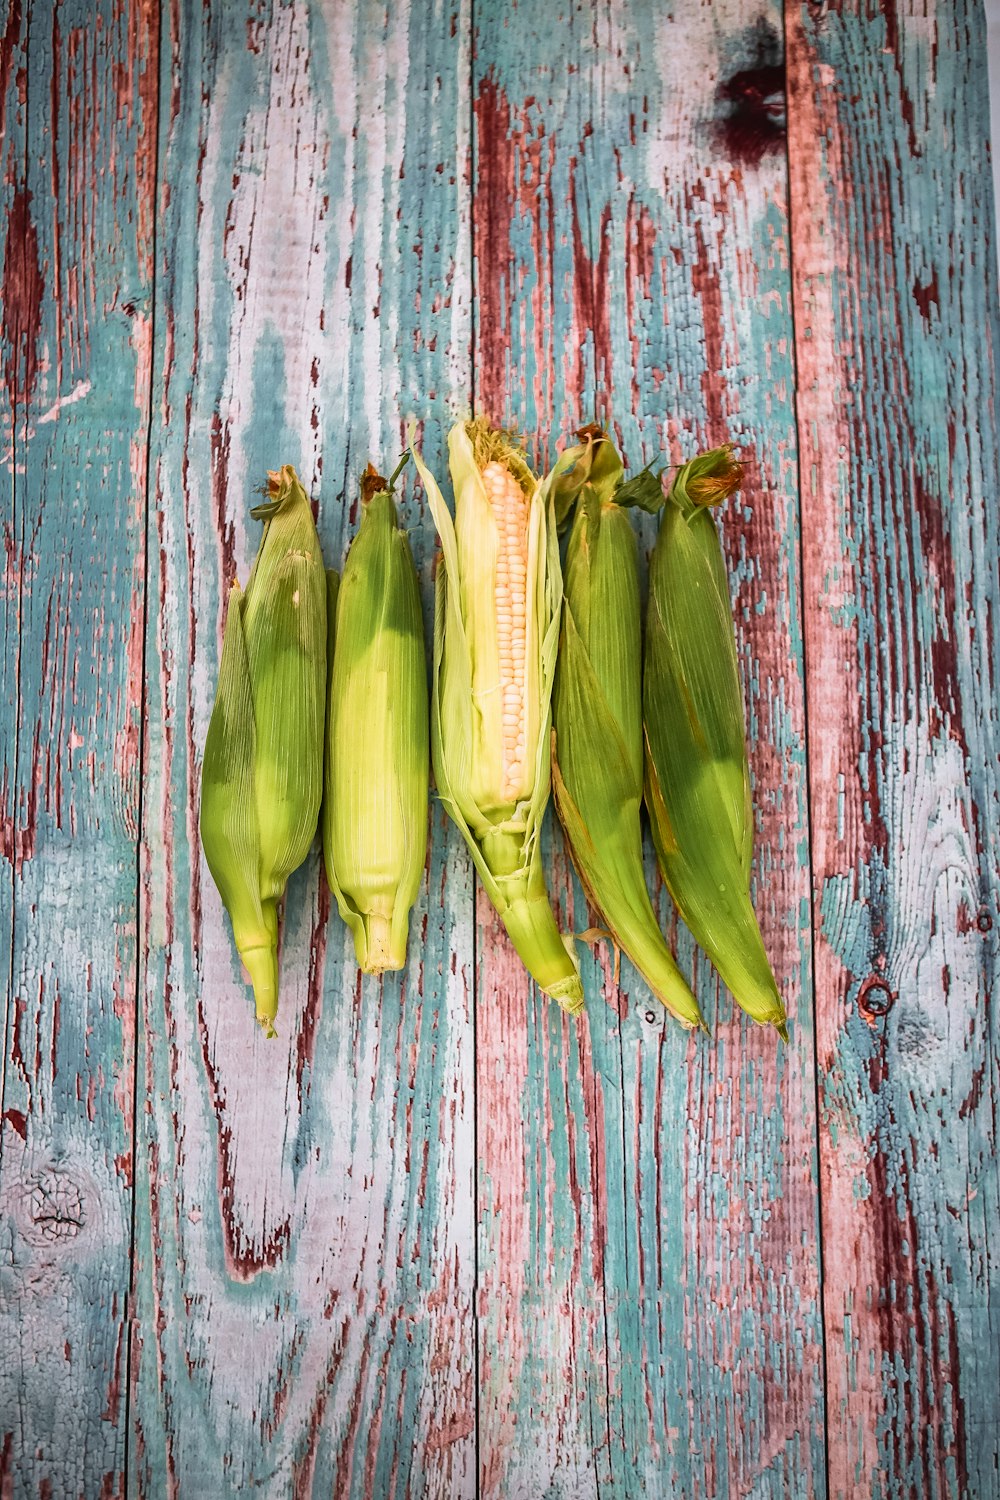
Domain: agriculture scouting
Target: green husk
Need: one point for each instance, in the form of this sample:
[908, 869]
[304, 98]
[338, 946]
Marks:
[262, 772]
[597, 760]
[697, 771]
[503, 836]
[377, 744]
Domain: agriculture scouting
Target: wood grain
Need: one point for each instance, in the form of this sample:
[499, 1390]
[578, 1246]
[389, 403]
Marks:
[543, 1369]
[77, 281]
[896, 309]
[435, 1240]
[304, 1247]
[13, 165]
[648, 1224]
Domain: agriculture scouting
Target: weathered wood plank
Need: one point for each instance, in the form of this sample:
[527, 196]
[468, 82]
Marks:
[896, 306]
[305, 1228]
[648, 1219]
[543, 1423]
[708, 302]
[77, 285]
[13, 165]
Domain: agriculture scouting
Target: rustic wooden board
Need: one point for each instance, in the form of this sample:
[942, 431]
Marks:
[304, 1247]
[896, 305]
[328, 1294]
[80, 85]
[13, 164]
[648, 1221]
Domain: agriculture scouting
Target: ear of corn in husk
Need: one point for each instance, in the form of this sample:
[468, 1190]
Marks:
[377, 743]
[262, 774]
[697, 772]
[597, 759]
[497, 605]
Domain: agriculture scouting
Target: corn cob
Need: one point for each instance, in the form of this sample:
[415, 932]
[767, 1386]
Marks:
[597, 756]
[262, 774]
[697, 772]
[496, 630]
[377, 749]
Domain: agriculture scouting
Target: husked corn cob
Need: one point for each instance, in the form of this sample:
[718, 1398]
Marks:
[697, 772]
[262, 774]
[377, 745]
[597, 757]
[495, 638]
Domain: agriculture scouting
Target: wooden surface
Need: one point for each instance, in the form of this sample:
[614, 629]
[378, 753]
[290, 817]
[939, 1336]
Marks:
[437, 1240]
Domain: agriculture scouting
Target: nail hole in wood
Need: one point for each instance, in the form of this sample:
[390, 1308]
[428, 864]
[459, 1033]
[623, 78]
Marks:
[876, 998]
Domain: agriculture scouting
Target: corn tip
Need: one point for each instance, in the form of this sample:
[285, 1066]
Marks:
[500, 445]
[572, 1005]
[372, 484]
[781, 1027]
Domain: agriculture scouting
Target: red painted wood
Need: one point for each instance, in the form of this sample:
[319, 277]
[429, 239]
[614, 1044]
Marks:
[896, 318]
[648, 1224]
[78, 84]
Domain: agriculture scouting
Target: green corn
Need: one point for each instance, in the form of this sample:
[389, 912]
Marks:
[262, 775]
[597, 759]
[697, 773]
[496, 634]
[377, 743]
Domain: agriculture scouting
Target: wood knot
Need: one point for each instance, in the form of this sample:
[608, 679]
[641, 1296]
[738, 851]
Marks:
[984, 921]
[876, 998]
[55, 1207]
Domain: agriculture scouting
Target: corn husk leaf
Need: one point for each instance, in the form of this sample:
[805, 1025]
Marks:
[593, 460]
[597, 741]
[503, 838]
[377, 757]
[697, 772]
[262, 770]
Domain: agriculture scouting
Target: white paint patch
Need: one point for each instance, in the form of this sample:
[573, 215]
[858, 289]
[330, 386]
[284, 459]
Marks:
[81, 389]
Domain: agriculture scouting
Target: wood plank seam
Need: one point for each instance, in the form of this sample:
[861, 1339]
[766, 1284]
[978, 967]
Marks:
[142, 913]
[12, 836]
[806, 654]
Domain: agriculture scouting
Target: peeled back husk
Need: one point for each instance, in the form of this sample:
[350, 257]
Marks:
[501, 823]
[262, 772]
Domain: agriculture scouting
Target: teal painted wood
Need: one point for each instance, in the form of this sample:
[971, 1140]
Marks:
[304, 1244]
[701, 321]
[648, 1219]
[544, 1423]
[77, 275]
[897, 318]
[647, 1315]
[12, 198]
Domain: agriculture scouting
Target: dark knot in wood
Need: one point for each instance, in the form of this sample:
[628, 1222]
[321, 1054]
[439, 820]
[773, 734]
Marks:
[876, 998]
[55, 1206]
